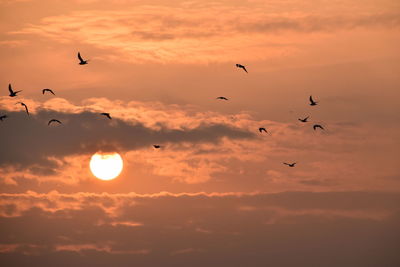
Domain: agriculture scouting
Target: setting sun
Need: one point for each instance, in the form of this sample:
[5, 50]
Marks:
[106, 166]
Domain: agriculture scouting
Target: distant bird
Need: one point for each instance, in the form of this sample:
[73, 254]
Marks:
[106, 114]
[318, 126]
[305, 119]
[26, 107]
[2, 117]
[262, 129]
[156, 146]
[290, 164]
[222, 98]
[312, 102]
[82, 62]
[241, 67]
[54, 120]
[12, 93]
[47, 90]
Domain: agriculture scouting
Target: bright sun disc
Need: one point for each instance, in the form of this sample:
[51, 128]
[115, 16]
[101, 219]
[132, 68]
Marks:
[106, 166]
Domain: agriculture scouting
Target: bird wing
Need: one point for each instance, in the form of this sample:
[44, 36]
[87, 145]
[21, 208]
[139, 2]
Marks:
[9, 88]
[26, 108]
[286, 163]
[79, 56]
[244, 69]
[54, 120]
[312, 101]
[44, 90]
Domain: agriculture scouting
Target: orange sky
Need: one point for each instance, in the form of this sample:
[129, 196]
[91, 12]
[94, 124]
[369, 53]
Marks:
[157, 67]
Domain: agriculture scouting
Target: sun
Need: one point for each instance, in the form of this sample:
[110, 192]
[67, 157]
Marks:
[106, 166]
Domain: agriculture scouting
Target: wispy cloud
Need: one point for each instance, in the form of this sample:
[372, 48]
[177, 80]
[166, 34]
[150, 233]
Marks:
[198, 34]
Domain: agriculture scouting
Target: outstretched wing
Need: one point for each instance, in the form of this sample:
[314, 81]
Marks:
[9, 88]
[79, 56]
[311, 100]
[244, 69]
[26, 108]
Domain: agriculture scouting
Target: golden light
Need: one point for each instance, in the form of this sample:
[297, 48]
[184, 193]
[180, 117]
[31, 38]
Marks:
[106, 166]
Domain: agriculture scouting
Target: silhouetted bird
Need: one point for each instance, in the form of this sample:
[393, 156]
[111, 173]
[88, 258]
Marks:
[241, 67]
[290, 164]
[156, 146]
[222, 98]
[262, 129]
[54, 120]
[106, 114]
[318, 126]
[26, 107]
[12, 93]
[305, 119]
[82, 62]
[48, 90]
[312, 102]
[2, 117]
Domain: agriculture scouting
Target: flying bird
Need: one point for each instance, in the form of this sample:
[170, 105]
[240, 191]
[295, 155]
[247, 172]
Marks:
[156, 146]
[26, 107]
[82, 62]
[2, 117]
[47, 90]
[12, 93]
[318, 126]
[241, 67]
[290, 164]
[54, 120]
[312, 102]
[262, 129]
[222, 98]
[106, 114]
[305, 119]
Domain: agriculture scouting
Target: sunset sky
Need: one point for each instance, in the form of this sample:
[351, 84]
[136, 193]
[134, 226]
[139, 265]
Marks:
[217, 192]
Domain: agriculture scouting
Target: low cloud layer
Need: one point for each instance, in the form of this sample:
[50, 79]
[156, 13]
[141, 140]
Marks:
[231, 229]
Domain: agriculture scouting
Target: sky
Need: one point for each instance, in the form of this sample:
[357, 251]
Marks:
[217, 192]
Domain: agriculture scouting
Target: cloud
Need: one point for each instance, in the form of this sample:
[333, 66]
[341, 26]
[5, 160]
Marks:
[30, 140]
[198, 33]
[83, 227]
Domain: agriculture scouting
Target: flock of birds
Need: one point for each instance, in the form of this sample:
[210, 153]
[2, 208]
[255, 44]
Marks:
[13, 93]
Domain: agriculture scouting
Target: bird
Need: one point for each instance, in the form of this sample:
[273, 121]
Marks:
[318, 126]
[47, 90]
[222, 98]
[82, 62]
[2, 117]
[305, 119]
[26, 107]
[313, 103]
[290, 164]
[54, 120]
[241, 67]
[156, 146]
[12, 93]
[262, 129]
[106, 114]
